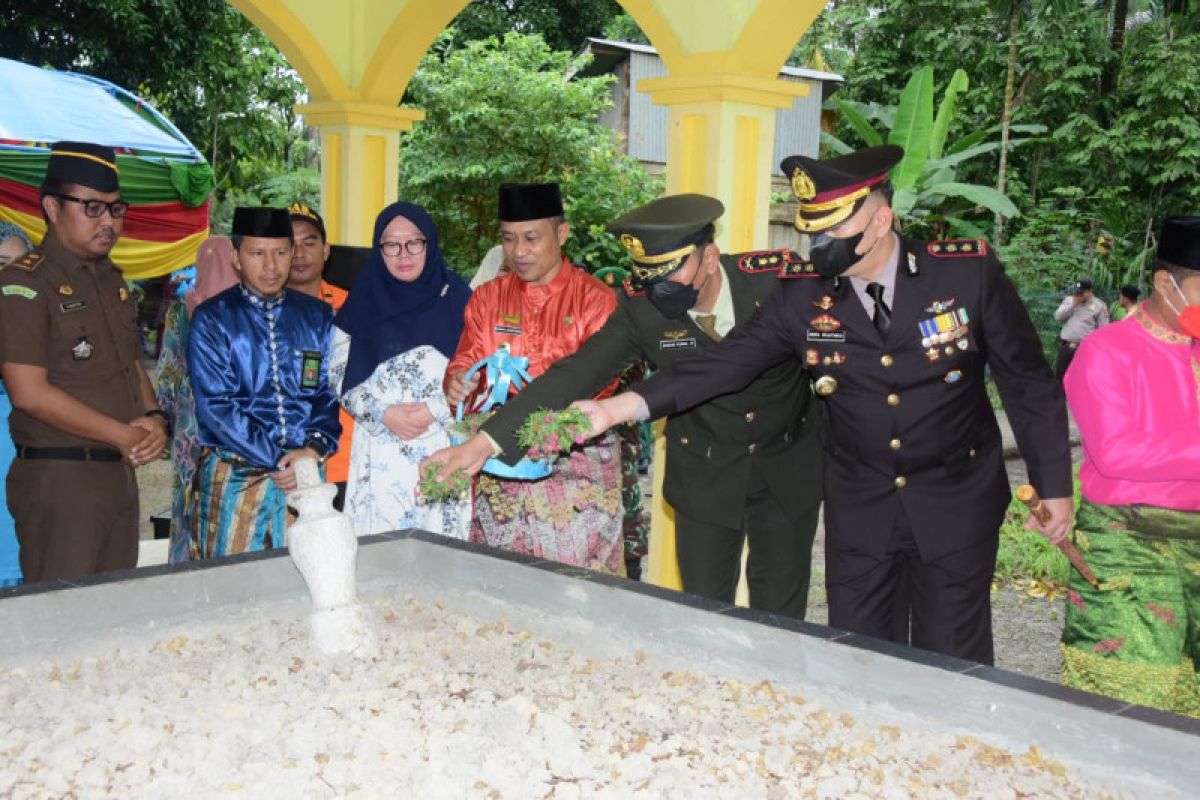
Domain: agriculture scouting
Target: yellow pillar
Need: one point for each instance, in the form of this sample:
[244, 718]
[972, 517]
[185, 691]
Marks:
[360, 163]
[721, 138]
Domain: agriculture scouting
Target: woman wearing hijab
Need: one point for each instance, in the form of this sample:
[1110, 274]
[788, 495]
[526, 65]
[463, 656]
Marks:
[395, 335]
[13, 244]
[214, 274]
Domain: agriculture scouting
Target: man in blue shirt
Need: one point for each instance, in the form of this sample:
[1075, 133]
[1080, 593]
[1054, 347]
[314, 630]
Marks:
[257, 360]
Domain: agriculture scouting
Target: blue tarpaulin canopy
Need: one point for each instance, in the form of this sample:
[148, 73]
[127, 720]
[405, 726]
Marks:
[44, 105]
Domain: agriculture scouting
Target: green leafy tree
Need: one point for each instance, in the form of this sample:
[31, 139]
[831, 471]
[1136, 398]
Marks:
[509, 111]
[929, 194]
[564, 24]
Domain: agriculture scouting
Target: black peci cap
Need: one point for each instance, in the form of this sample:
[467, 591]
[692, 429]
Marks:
[84, 164]
[520, 202]
[1179, 242]
[266, 223]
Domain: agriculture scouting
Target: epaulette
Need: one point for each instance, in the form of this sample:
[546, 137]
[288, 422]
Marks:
[28, 262]
[797, 267]
[627, 284]
[958, 248]
[763, 260]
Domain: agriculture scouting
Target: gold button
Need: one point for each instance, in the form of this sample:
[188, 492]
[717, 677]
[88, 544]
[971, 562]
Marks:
[893, 399]
[894, 444]
[826, 385]
[901, 482]
[749, 416]
[752, 448]
[683, 440]
[971, 454]
[886, 360]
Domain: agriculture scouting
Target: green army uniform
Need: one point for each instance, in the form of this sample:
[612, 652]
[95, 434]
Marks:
[744, 465]
[74, 501]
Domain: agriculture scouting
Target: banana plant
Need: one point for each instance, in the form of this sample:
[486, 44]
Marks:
[927, 190]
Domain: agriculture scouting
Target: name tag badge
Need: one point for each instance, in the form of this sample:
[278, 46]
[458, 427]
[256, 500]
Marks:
[511, 330]
[826, 336]
[677, 344]
[310, 370]
[75, 305]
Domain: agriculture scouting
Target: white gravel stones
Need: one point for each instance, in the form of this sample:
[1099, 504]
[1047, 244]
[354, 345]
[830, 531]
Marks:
[454, 706]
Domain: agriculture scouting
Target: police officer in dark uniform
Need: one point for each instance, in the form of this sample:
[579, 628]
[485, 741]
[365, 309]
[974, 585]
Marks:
[743, 466]
[84, 411]
[897, 335]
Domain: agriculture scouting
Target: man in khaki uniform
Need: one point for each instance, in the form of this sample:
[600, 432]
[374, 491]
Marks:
[84, 411]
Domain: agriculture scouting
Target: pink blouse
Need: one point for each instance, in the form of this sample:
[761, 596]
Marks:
[1134, 390]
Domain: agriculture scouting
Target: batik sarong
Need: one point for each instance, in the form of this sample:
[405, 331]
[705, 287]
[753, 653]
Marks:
[236, 508]
[574, 516]
[1137, 636]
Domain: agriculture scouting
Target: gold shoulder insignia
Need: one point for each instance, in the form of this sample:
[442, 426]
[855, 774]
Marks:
[627, 284]
[958, 248]
[797, 267]
[763, 261]
[28, 262]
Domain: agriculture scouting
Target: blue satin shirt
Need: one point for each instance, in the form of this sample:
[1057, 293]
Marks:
[260, 373]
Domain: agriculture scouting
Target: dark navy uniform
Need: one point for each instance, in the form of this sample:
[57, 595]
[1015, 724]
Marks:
[914, 476]
[746, 461]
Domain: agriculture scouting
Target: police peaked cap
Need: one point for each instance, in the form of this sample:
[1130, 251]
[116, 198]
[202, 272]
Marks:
[830, 190]
[1179, 242]
[521, 202]
[663, 233]
[265, 223]
[83, 164]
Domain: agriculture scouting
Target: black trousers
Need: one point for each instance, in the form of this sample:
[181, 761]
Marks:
[779, 564]
[1066, 352]
[942, 605]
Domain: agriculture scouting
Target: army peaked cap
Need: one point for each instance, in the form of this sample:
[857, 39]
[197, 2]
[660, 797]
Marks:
[830, 190]
[84, 164]
[664, 232]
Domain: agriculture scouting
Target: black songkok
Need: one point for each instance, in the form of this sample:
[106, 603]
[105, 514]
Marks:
[264, 223]
[84, 164]
[521, 202]
[1179, 242]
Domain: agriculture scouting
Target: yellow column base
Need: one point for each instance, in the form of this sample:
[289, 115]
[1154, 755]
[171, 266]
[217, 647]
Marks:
[360, 163]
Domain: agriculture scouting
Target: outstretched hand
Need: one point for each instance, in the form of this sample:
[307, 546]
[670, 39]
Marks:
[610, 411]
[469, 456]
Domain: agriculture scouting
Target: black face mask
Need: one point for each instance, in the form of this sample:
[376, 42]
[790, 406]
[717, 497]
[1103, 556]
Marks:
[831, 257]
[672, 299]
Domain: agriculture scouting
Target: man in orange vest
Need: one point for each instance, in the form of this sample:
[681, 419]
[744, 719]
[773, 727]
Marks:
[308, 265]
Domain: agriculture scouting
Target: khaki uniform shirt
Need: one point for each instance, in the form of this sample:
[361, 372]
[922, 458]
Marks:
[80, 323]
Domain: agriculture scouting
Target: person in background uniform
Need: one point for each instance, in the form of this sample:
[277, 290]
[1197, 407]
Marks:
[1126, 302]
[258, 358]
[14, 243]
[308, 265]
[84, 412]
[897, 335]
[543, 310]
[1135, 393]
[173, 387]
[744, 465]
[1080, 313]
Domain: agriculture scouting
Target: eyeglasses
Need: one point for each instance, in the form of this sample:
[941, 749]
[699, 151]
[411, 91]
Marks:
[414, 247]
[96, 208]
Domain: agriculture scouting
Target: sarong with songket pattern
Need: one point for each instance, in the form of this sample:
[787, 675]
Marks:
[236, 508]
[1137, 636]
[574, 516]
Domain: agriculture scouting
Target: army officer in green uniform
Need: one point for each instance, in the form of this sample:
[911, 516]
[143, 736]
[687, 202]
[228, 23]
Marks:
[745, 466]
